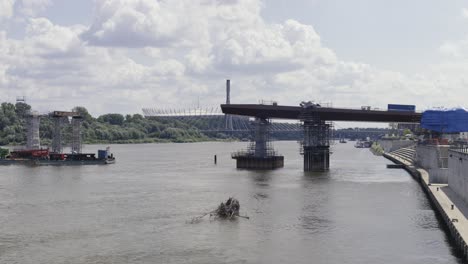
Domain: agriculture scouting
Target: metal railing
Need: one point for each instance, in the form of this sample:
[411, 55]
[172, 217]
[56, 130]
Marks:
[462, 148]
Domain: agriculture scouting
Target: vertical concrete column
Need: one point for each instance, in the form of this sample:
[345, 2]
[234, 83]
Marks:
[261, 137]
[57, 135]
[76, 134]
[260, 154]
[33, 139]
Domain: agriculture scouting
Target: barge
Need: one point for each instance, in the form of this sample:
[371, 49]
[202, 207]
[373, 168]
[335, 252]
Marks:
[40, 157]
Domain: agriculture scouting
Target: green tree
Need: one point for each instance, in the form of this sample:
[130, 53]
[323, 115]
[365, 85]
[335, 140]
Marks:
[9, 112]
[22, 109]
[113, 119]
[83, 112]
[407, 132]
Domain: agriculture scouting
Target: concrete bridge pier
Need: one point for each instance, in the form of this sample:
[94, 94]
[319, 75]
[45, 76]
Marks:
[316, 144]
[316, 158]
[57, 134]
[32, 136]
[260, 155]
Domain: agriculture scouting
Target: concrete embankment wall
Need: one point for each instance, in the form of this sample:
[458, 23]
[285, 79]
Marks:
[390, 145]
[442, 206]
[458, 169]
[433, 158]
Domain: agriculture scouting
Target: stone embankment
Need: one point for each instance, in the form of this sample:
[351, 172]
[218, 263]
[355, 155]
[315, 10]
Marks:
[390, 145]
[448, 204]
[405, 154]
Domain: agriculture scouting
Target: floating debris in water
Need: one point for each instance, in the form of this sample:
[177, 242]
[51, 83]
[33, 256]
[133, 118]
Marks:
[227, 210]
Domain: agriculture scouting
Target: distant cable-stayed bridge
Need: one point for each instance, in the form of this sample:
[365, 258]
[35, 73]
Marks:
[181, 113]
[212, 119]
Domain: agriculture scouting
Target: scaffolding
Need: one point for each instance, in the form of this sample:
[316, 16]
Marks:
[57, 134]
[316, 143]
[260, 153]
[21, 99]
[59, 119]
[76, 145]
[32, 133]
[261, 145]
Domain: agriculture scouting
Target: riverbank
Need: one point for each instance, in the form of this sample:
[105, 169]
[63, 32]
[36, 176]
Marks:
[156, 140]
[448, 204]
[139, 141]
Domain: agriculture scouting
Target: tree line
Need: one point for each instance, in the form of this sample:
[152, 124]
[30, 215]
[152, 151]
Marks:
[107, 128]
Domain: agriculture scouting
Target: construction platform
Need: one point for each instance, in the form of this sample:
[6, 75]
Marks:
[246, 161]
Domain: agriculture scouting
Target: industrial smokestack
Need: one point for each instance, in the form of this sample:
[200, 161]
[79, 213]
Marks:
[228, 91]
[228, 118]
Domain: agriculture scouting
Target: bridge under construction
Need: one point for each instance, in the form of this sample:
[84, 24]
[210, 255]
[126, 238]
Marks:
[316, 125]
[59, 119]
[311, 122]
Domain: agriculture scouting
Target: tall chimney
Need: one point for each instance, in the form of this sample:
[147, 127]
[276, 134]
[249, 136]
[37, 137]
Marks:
[228, 91]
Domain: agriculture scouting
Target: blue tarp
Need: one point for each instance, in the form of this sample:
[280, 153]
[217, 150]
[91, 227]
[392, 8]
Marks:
[445, 121]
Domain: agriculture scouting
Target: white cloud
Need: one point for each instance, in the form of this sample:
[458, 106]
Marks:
[456, 49]
[143, 53]
[31, 8]
[136, 23]
[52, 40]
[6, 9]
[22, 8]
[465, 12]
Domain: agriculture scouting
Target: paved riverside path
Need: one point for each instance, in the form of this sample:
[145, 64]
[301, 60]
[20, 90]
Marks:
[445, 197]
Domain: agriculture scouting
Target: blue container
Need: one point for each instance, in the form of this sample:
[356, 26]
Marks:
[102, 154]
[399, 107]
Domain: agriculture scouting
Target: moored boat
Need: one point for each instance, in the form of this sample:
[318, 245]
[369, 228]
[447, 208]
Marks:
[363, 144]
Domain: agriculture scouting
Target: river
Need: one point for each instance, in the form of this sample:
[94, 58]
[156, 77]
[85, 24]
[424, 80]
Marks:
[138, 210]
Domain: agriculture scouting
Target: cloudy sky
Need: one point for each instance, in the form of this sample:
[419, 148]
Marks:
[122, 55]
